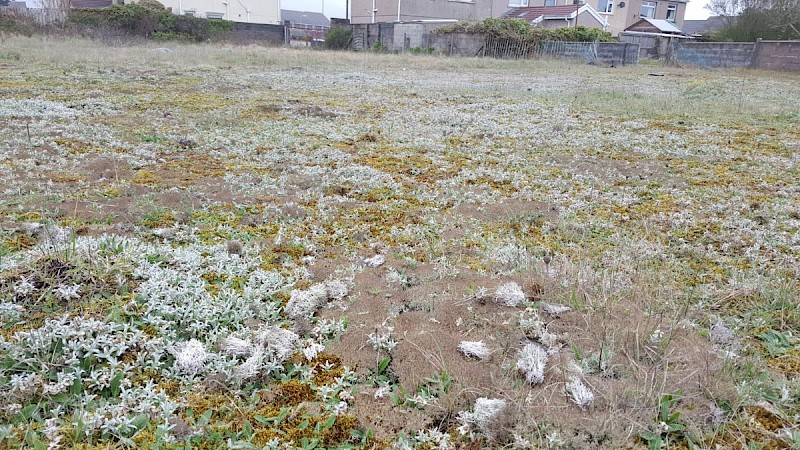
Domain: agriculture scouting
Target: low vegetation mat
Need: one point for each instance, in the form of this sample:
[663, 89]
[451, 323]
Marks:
[213, 247]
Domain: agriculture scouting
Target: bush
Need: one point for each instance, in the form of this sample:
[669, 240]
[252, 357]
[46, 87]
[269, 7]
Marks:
[150, 22]
[420, 50]
[13, 25]
[521, 30]
[754, 23]
[338, 38]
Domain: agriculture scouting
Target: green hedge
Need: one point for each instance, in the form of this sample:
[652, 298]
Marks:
[149, 22]
[521, 30]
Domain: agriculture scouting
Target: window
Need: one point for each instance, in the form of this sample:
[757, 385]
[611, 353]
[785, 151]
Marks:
[214, 15]
[672, 12]
[517, 3]
[649, 9]
[549, 2]
[189, 13]
[605, 6]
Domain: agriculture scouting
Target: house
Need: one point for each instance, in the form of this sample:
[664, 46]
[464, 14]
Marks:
[376, 11]
[250, 11]
[306, 25]
[559, 16]
[620, 14]
[13, 5]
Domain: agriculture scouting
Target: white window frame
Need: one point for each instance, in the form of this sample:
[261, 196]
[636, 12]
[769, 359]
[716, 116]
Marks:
[552, 2]
[609, 9]
[190, 13]
[215, 15]
[672, 8]
[651, 6]
[518, 3]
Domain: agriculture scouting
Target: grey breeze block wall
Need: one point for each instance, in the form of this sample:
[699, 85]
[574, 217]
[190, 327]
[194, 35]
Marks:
[778, 55]
[618, 53]
[716, 54]
[365, 35]
[774, 55]
[460, 44]
[259, 33]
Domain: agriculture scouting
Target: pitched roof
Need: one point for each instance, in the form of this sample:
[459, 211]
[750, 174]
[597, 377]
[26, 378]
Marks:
[536, 14]
[531, 13]
[709, 25]
[305, 18]
[664, 26]
[90, 3]
[655, 26]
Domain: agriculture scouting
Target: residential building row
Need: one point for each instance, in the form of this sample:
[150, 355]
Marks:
[611, 15]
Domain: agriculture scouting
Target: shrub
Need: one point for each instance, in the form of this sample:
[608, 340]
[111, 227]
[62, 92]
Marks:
[338, 38]
[147, 21]
[13, 25]
[521, 30]
[420, 50]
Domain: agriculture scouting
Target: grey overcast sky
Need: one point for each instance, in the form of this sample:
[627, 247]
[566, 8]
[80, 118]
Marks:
[335, 8]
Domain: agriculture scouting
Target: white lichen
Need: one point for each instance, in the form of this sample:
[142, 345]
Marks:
[375, 261]
[485, 412]
[190, 357]
[233, 346]
[531, 363]
[579, 393]
[337, 289]
[304, 303]
[474, 349]
[278, 342]
[720, 334]
[510, 294]
[554, 309]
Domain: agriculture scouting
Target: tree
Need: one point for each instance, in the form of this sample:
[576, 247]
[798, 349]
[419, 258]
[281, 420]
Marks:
[748, 20]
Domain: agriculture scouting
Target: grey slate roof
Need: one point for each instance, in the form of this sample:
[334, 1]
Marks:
[709, 25]
[305, 18]
[90, 3]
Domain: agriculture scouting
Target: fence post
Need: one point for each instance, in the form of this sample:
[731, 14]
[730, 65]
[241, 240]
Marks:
[624, 53]
[754, 55]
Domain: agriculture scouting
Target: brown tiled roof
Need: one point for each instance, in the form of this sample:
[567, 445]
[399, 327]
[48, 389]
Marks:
[532, 13]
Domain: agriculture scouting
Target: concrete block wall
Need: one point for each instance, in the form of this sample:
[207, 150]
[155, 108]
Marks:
[456, 44]
[716, 54]
[777, 55]
[618, 53]
[258, 33]
[399, 37]
[365, 35]
[407, 36]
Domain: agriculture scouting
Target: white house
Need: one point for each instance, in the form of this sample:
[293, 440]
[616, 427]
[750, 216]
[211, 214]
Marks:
[251, 11]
